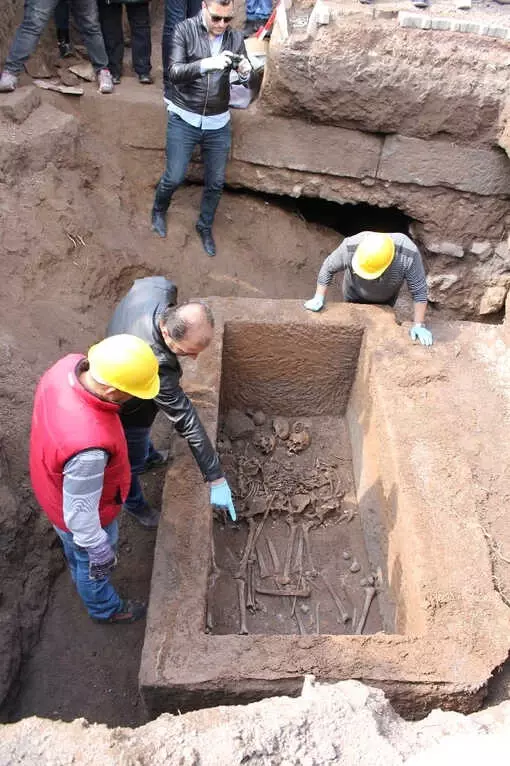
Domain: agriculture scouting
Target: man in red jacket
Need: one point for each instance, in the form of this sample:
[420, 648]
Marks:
[79, 464]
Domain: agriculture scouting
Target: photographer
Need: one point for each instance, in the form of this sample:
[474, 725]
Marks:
[204, 52]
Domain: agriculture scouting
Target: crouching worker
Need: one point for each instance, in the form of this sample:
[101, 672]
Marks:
[79, 462]
[375, 266]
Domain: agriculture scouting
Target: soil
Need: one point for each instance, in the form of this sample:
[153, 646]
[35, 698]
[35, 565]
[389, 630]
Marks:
[300, 488]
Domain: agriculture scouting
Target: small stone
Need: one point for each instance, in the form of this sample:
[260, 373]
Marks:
[481, 249]
[259, 418]
[449, 249]
[355, 567]
[304, 608]
[493, 300]
[363, 582]
[502, 251]
[346, 555]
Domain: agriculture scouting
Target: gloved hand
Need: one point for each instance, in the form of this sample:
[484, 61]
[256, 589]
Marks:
[244, 67]
[221, 496]
[418, 332]
[315, 303]
[216, 63]
[102, 560]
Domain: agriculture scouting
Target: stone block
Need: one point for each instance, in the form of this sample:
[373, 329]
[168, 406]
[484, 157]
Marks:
[496, 31]
[481, 249]
[17, 106]
[281, 143]
[493, 300]
[445, 248]
[414, 20]
[502, 251]
[437, 163]
[439, 283]
[438, 22]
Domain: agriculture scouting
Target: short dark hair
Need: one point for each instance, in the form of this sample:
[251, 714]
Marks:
[178, 326]
[219, 2]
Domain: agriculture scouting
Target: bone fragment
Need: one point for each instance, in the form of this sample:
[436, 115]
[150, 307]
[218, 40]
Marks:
[263, 567]
[208, 621]
[344, 615]
[310, 567]
[297, 592]
[250, 592]
[241, 587]
[285, 578]
[241, 572]
[317, 623]
[274, 555]
[298, 560]
[299, 620]
[369, 595]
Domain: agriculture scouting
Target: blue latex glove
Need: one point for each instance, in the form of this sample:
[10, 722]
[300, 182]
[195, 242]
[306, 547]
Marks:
[102, 560]
[417, 332]
[315, 303]
[221, 496]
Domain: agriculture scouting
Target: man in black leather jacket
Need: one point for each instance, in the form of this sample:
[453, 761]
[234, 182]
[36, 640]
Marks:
[149, 311]
[204, 51]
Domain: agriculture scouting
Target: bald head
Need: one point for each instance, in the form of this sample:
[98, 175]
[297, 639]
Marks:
[187, 329]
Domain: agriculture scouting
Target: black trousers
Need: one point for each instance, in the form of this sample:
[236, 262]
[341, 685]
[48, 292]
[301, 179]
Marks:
[110, 17]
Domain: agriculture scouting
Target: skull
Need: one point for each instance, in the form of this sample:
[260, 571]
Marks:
[281, 428]
[300, 437]
[264, 442]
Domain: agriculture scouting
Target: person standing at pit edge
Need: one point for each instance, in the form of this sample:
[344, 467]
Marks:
[375, 267]
[201, 60]
[37, 13]
[149, 311]
[79, 463]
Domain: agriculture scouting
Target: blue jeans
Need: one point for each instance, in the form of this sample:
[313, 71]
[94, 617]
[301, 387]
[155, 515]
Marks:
[37, 13]
[181, 139]
[175, 11]
[99, 596]
[140, 449]
[258, 10]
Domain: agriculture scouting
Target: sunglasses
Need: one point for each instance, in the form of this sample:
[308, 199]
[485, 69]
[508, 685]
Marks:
[216, 19]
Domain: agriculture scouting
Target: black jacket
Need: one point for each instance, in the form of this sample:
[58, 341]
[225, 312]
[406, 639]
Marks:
[138, 314]
[204, 94]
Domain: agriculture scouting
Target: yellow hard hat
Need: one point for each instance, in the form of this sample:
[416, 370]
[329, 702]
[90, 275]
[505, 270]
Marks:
[126, 363]
[373, 255]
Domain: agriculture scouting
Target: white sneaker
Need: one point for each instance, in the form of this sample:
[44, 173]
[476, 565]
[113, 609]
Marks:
[104, 80]
[8, 82]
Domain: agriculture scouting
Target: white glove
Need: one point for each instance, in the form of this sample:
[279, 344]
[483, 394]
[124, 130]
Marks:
[244, 67]
[315, 303]
[216, 63]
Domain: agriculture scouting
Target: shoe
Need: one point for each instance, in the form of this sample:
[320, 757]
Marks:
[207, 241]
[65, 49]
[8, 82]
[116, 79]
[131, 611]
[421, 3]
[147, 516]
[145, 79]
[159, 222]
[157, 460]
[104, 81]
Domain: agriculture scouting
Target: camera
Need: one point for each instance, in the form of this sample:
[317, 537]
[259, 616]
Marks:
[236, 59]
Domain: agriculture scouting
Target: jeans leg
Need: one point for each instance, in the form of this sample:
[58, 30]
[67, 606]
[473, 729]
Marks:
[36, 15]
[110, 18]
[181, 139]
[138, 443]
[87, 20]
[99, 596]
[175, 11]
[140, 24]
[215, 151]
[258, 9]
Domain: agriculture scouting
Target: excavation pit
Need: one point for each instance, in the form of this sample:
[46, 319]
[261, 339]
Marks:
[436, 629]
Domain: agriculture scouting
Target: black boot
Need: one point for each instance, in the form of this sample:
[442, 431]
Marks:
[64, 43]
[159, 211]
[207, 240]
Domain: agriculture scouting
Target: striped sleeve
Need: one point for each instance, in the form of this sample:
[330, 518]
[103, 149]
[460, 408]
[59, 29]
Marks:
[83, 486]
[339, 259]
[415, 272]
